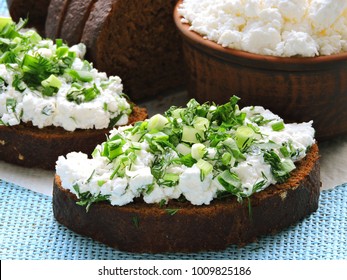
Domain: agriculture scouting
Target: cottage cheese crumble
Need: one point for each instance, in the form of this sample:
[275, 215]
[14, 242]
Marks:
[50, 84]
[163, 158]
[282, 28]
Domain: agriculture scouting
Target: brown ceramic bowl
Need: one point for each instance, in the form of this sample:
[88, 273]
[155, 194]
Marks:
[298, 89]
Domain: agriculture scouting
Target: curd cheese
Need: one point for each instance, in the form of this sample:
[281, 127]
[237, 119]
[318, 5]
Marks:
[282, 28]
[198, 153]
[47, 83]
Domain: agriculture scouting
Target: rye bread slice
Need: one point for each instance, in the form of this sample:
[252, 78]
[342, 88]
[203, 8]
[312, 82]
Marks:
[30, 146]
[141, 227]
[55, 17]
[75, 18]
[34, 10]
[139, 42]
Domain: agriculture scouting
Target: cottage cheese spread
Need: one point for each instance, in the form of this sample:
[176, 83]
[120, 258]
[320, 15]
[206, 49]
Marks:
[271, 27]
[198, 153]
[47, 84]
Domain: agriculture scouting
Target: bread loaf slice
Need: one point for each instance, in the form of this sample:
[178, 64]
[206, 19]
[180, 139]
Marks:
[73, 23]
[55, 17]
[30, 146]
[138, 41]
[35, 11]
[142, 227]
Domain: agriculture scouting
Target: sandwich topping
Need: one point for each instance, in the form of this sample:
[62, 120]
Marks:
[271, 27]
[198, 153]
[48, 83]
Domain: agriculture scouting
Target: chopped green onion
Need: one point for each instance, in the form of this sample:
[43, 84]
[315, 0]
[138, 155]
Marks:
[170, 179]
[82, 95]
[115, 148]
[158, 136]
[205, 168]
[186, 160]
[230, 181]
[279, 168]
[171, 212]
[52, 81]
[201, 123]
[83, 76]
[8, 57]
[34, 37]
[177, 113]
[62, 51]
[278, 126]
[157, 122]
[191, 134]
[150, 188]
[47, 110]
[287, 165]
[101, 182]
[230, 145]
[59, 42]
[136, 221]
[18, 83]
[227, 159]
[183, 149]
[5, 21]
[11, 104]
[284, 151]
[198, 151]
[114, 121]
[244, 137]
[90, 93]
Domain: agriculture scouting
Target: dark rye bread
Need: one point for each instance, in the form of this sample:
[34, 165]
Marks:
[137, 40]
[55, 17]
[34, 10]
[30, 146]
[74, 20]
[141, 227]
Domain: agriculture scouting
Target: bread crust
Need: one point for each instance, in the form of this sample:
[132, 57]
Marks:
[30, 146]
[35, 11]
[75, 18]
[141, 227]
[137, 41]
[55, 17]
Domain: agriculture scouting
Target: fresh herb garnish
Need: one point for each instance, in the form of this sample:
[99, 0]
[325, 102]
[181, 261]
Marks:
[280, 168]
[87, 199]
[215, 139]
[136, 221]
[171, 212]
[80, 95]
[11, 104]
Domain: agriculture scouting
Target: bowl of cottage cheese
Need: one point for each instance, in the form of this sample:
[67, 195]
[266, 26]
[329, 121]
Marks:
[288, 56]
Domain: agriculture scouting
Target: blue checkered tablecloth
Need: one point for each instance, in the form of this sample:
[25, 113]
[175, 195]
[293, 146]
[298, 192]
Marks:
[3, 8]
[28, 231]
